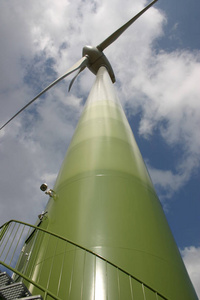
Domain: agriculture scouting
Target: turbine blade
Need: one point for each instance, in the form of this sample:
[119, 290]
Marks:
[72, 81]
[119, 31]
[81, 64]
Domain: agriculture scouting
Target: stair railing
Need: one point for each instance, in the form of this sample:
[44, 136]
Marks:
[13, 235]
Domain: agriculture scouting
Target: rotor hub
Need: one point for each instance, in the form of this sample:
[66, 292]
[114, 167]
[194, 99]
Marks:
[97, 59]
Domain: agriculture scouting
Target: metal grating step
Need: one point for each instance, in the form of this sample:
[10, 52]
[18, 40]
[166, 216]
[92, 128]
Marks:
[14, 291]
[5, 279]
[38, 297]
[9, 290]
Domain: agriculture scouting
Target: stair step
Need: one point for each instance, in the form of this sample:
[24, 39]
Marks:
[9, 290]
[14, 291]
[38, 297]
[5, 279]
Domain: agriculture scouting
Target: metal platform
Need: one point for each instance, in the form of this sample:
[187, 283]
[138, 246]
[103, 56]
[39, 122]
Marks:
[10, 290]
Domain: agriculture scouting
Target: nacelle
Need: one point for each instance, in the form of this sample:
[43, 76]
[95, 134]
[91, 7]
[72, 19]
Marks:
[97, 59]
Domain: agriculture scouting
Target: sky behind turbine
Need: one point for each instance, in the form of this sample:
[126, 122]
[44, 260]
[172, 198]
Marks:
[157, 68]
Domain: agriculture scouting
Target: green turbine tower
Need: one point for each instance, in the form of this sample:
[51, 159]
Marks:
[103, 234]
[104, 200]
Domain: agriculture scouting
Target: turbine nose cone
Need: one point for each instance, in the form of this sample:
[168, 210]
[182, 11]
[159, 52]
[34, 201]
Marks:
[86, 50]
[92, 52]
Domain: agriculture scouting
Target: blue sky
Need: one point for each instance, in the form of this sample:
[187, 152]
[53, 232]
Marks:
[157, 67]
[184, 18]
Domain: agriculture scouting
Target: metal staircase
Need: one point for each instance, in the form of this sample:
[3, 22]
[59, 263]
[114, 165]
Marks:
[10, 290]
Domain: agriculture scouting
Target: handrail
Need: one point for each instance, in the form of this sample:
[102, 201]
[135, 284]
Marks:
[6, 225]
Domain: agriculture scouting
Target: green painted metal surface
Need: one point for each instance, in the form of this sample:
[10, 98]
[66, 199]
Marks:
[106, 202]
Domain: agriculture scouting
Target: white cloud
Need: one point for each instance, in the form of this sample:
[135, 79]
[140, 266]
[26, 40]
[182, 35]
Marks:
[166, 181]
[167, 95]
[191, 258]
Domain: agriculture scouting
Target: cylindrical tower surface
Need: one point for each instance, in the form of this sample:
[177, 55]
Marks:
[105, 202]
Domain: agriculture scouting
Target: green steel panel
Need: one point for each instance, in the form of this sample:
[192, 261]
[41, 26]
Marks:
[149, 295]
[138, 291]
[124, 287]
[67, 273]
[100, 289]
[113, 283]
[89, 278]
[76, 288]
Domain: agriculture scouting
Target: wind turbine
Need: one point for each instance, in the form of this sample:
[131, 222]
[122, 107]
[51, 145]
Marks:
[92, 57]
[103, 234]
